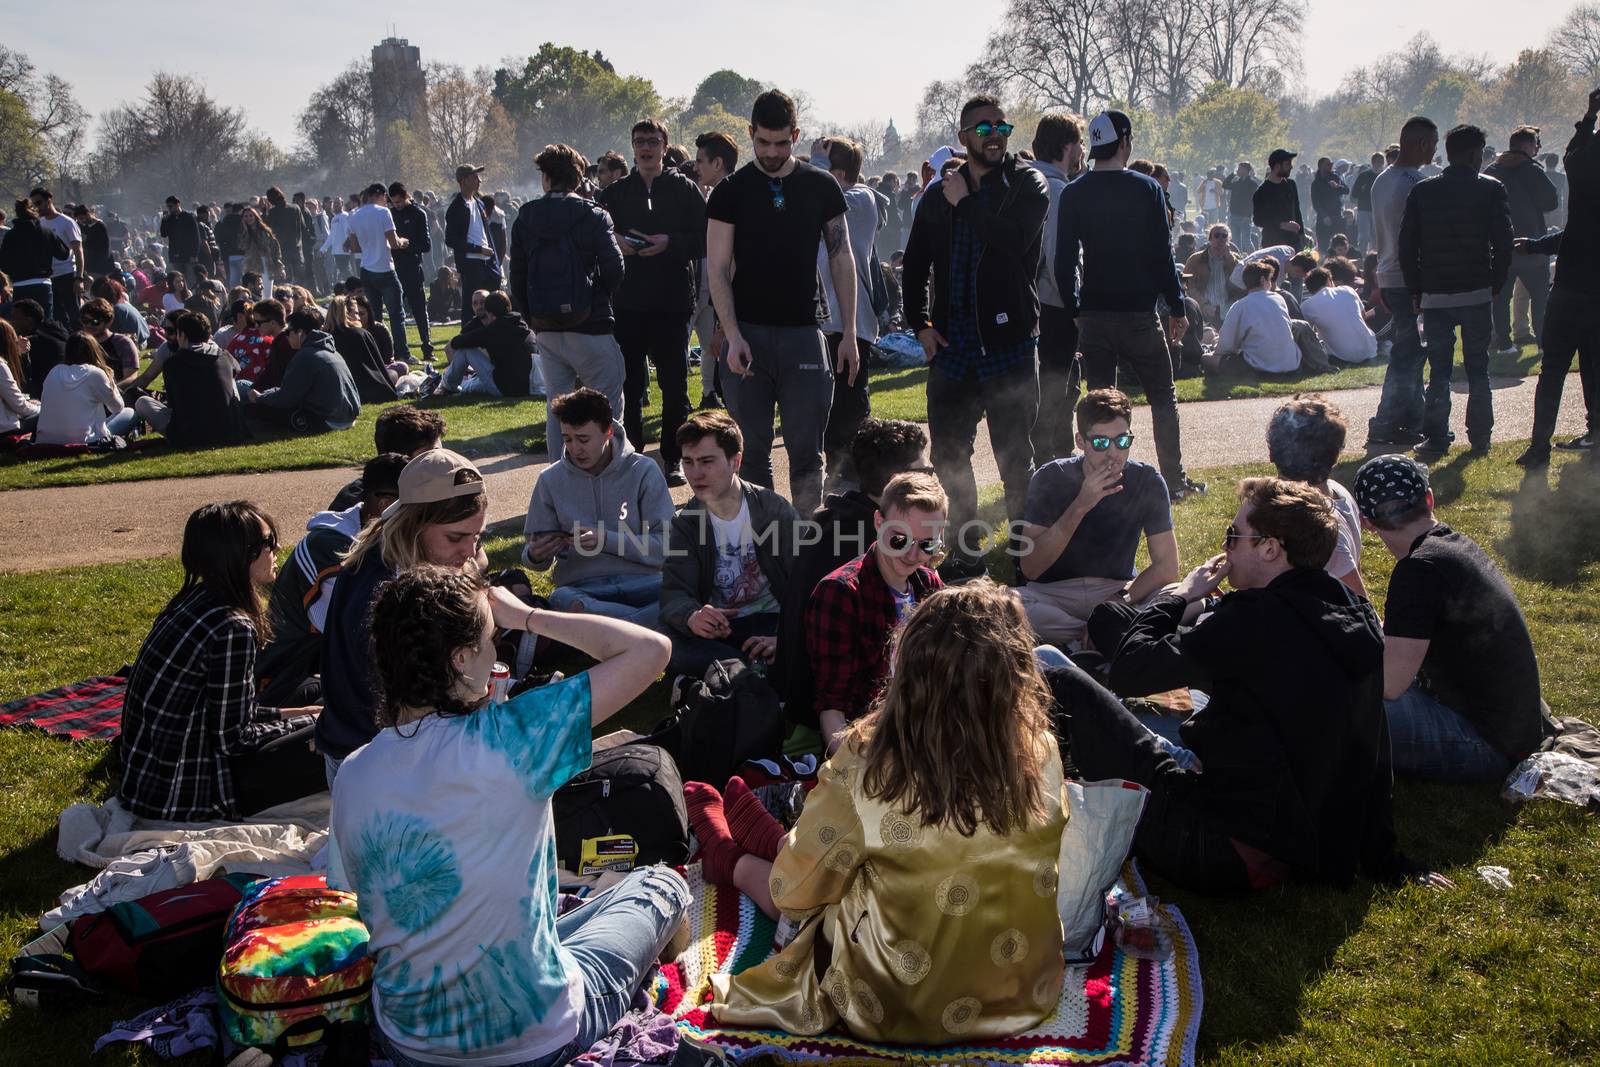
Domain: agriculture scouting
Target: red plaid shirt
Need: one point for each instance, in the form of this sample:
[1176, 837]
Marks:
[850, 621]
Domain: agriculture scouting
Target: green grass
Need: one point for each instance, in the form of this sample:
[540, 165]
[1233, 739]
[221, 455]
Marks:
[480, 426]
[1293, 975]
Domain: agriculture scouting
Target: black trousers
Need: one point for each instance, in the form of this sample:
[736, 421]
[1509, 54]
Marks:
[66, 302]
[1010, 402]
[662, 338]
[852, 403]
[284, 769]
[416, 300]
[1571, 327]
[1139, 338]
[1176, 836]
[476, 274]
[1059, 374]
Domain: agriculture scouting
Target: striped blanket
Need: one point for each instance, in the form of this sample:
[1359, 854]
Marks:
[1116, 1010]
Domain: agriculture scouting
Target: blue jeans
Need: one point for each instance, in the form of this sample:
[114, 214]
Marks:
[615, 939]
[1430, 740]
[383, 292]
[633, 598]
[1475, 325]
[482, 372]
[119, 424]
[1400, 407]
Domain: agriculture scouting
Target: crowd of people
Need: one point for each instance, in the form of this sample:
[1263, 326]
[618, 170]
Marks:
[950, 708]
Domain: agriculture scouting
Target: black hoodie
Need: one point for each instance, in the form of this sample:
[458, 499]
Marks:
[1294, 742]
[509, 343]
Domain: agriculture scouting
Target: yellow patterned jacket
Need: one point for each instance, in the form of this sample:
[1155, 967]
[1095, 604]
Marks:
[934, 937]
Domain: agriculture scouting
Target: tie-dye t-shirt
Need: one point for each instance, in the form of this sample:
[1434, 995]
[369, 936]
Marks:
[443, 828]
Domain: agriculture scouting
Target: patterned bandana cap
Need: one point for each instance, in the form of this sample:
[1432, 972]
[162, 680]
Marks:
[1387, 479]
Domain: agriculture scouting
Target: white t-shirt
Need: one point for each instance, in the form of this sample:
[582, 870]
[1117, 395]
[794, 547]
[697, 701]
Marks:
[370, 222]
[63, 227]
[477, 228]
[443, 829]
[1257, 327]
[739, 585]
[1336, 313]
[1347, 552]
[170, 302]
[1389, 192]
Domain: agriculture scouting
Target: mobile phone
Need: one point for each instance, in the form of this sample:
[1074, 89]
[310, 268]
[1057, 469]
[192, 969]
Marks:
[638, 243]
[551, 533]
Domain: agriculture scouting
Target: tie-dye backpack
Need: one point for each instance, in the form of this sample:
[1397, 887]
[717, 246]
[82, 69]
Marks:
[294, 964]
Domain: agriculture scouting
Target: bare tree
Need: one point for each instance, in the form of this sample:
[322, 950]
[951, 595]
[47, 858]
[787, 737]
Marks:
[939, 113]
[177, 140]
[57, 117]
[338, 127]
[1129, 56]
[1053, 52]
[1175, 43]
[1576, 42]
[1245, 41]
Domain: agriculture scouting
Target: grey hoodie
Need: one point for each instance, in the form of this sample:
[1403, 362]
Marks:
[627, 503]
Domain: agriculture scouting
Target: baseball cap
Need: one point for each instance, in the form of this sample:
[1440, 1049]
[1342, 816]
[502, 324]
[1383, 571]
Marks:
[1279, 155]
[942, 155]
[467, 168]
[1385, 481]
[431, 477]
[1105, 131]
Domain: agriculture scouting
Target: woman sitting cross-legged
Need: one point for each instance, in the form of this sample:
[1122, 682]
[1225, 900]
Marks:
[442, 825]
[195, 744]
[923, 867]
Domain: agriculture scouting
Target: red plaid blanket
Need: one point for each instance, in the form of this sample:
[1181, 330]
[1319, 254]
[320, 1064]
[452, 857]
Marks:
[90, 710]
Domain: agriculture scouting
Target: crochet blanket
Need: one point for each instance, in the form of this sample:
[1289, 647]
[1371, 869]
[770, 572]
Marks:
[90, 710]
[1116, 1010]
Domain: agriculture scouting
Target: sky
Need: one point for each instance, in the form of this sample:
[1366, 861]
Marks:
[857, 61]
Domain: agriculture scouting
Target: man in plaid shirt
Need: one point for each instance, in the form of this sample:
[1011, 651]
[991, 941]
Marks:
[855, 612]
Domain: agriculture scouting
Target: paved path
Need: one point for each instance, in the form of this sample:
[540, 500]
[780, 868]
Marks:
[45, 528]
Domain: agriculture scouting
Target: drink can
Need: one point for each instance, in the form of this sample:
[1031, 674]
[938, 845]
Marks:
[499, 683]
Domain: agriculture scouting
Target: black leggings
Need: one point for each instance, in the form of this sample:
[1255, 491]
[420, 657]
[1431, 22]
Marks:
[284, 769]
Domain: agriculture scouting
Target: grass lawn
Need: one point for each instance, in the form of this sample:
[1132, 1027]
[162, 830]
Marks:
[480, 426]
[1293, 975]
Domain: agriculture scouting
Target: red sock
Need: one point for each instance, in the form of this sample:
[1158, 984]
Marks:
[718, 850]
[752, 825]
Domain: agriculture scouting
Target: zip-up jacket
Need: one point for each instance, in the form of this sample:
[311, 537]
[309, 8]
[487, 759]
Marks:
[691, 553]
[1529, 192]
[671, 205]
[1455, 235]
[590, 229]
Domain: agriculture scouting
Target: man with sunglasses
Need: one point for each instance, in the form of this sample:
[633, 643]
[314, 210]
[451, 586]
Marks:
[1082, 525]
[978, 233]
[854, 613]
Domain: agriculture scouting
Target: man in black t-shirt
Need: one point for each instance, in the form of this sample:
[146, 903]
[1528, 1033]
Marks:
[763, 227]
[1277, 203]
[1460, 680]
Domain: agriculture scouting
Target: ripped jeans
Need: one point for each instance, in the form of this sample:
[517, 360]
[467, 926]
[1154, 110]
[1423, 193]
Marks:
[615, 938]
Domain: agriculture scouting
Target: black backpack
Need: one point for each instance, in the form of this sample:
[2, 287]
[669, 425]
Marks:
[561, 265]
[717, 723]
[630, 789]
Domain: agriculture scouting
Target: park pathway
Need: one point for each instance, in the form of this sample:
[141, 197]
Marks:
[60, 527]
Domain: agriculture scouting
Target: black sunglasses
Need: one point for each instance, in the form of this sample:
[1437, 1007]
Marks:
[269, 542]
[1233, 535]
[776, 185]
[930, 546]
[1100, 442]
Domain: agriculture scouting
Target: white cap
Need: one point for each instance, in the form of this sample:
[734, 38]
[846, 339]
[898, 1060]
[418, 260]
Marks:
[941, 155]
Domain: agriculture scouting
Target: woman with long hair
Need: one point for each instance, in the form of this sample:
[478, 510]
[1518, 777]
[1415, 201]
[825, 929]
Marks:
[79, 394]
[359, 351]
[18, 410]
[444, 296]
[259, 246]
[444, 831]
[195, 744]
[923, 867]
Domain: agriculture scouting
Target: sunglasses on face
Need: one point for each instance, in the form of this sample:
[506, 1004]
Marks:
[268, 543]
[932, 547]
[1233, 535]
[984, 129]
[1100, 442]
[776, 185]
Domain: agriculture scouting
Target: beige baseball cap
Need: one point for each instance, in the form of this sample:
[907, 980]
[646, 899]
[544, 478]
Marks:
[431, 477]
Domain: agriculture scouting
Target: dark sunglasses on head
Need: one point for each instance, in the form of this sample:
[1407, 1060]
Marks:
[984, 129]
[930, 546]
[1100, 442]
[776, 185]
[1233, 535]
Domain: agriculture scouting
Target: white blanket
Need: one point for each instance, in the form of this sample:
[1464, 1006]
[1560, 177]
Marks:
[138, 856]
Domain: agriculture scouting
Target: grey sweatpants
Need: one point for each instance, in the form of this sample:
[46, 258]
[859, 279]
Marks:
[565, 359]
[789, 369]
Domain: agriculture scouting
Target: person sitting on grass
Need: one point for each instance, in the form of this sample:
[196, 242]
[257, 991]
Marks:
[1257, 335]
[122, 355]
[237, 319]
[471, 963]
[356, 346]
[1460, 678]
[497, 346]
[444, 296]
[600, 514]
[940, 817]
[1082, 524]
[45, 343]
[18, 410]
[403, 428]
[251, 347]
[1304, 438]
[196, 744]
[1293, 778]
[298, 608]
[79, 395]
[728, 554]
[201, 408]
[855, 612]
[1335, 310]
[318, 392]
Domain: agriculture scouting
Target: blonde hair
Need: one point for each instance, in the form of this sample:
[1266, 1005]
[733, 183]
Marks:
[339, 312]
[913, 490]
[959, 736]
[399, 533]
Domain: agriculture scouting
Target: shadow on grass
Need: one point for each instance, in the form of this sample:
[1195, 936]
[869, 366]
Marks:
[1555, 531]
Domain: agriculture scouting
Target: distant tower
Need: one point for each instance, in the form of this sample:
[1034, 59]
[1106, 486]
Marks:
[399, 88]
[891, 144]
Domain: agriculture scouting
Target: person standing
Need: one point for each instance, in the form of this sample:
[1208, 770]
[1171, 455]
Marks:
[466, 233]
[181, 230]
[1276, 203]
[1398, 422]
[1058, 155]
[764, 222]
[979, 232]
[373, 231]
[411, 223]
[66, 298]
[716, 156]
[97, 259]
[286, 221]
[1455, 252]
[1530, 194]
[1118, 218]
[660, 222]
[334, 244]
[1327, 199]
[1241, 188]
[227, 233]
